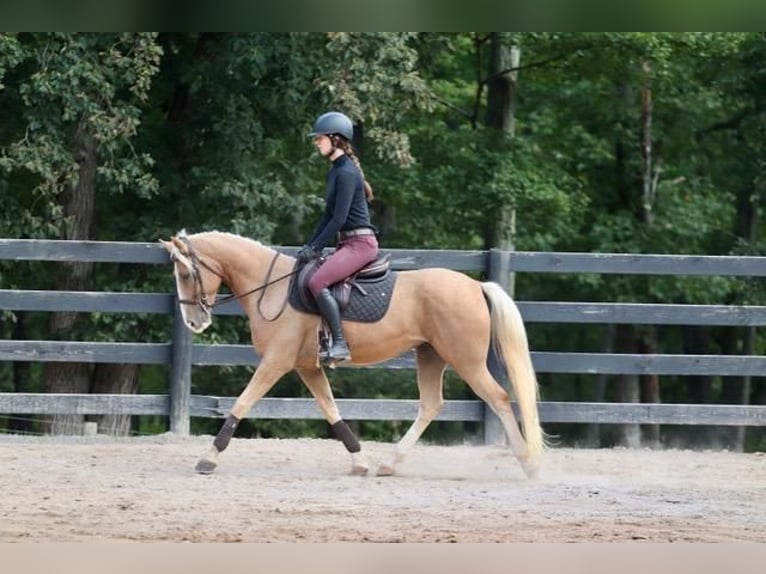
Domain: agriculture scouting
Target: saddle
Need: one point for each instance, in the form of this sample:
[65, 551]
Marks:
[362, 297]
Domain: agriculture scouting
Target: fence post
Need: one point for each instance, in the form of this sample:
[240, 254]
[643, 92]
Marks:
[499, 271]
[180, 373]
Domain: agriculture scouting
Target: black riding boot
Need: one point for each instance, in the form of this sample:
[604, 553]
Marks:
[328, 307]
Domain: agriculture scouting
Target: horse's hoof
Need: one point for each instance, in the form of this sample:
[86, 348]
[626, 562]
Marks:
[386, 470]
[359, 470]
[205, 466]
[532, 470]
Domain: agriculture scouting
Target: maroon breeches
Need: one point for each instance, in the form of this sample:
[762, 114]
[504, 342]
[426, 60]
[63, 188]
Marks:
[350, 256]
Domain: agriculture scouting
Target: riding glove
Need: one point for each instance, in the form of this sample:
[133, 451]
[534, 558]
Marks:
[307, 253]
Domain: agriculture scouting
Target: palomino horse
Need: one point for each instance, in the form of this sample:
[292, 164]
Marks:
[447, 317]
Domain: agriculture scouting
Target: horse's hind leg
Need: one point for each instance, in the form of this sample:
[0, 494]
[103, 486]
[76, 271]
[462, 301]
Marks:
[430, 376]
[492, 392]
[316, 381]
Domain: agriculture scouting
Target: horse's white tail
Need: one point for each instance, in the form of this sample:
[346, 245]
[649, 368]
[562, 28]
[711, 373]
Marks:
[509, 338]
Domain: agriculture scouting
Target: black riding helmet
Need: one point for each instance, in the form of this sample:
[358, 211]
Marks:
[333, 123]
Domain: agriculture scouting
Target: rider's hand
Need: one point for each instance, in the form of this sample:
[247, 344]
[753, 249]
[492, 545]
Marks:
[307, 253]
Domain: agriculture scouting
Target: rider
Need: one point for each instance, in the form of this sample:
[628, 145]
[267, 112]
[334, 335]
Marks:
[346, 221]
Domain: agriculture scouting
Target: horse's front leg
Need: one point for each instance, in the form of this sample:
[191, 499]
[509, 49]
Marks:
[263, 379]
[316, 381]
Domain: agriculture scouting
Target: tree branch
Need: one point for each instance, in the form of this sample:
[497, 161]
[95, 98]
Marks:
[731, 123]
[450, 105]
[525, 67]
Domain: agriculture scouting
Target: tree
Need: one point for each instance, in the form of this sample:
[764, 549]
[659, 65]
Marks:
[635, 102]
[79, 97]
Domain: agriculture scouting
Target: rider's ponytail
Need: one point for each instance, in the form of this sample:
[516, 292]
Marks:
[345, 145]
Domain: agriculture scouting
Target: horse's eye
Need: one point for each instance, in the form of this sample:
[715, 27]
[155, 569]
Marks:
[185, 276]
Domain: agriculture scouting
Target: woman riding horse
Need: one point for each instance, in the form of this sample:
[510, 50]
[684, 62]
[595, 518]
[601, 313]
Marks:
[346, 221]
[447, 317]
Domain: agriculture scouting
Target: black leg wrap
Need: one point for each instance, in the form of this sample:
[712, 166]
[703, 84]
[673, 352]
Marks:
[227, 431]
[344, 433]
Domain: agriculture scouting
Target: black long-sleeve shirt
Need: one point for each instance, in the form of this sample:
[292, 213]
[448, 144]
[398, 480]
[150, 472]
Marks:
[345, 203]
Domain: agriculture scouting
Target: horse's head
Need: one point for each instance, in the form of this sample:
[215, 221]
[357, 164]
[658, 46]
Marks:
[197, 281]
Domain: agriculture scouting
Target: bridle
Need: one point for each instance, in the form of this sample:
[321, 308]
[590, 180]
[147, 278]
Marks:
[203, 300]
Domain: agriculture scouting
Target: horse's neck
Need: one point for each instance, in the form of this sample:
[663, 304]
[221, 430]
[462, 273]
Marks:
[244, 263]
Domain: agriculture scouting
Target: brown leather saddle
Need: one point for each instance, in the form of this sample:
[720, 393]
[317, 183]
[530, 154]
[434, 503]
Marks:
[362, 297]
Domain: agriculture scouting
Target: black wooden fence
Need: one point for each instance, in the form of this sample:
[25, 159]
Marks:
[182, 354]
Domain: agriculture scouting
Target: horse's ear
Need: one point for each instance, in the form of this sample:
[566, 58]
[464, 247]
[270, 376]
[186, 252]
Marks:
[177, 242]
[167, 245]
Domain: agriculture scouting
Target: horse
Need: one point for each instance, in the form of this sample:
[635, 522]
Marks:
[447, 317]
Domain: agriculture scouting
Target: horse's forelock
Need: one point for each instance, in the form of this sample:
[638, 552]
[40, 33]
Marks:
[177, 255]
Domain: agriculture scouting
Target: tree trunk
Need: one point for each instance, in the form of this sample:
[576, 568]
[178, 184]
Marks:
[650, 384]
[648, 175]
[501, 95]
[21, 377]
[699, 388]
[593, 430]
[501, 109]
[736, 390]
[78, 202]
[650, 388]
[628, 390]
[501, 82]
[118, 379]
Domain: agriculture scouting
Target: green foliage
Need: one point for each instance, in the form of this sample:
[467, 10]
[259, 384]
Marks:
[207, 131]
[72, 83]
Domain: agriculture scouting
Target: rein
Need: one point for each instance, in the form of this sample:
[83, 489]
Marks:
[203, 302]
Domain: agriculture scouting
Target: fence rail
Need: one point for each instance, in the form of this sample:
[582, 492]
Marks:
[384, 409]
[244, 355]
[532, 311]
[182, 354]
